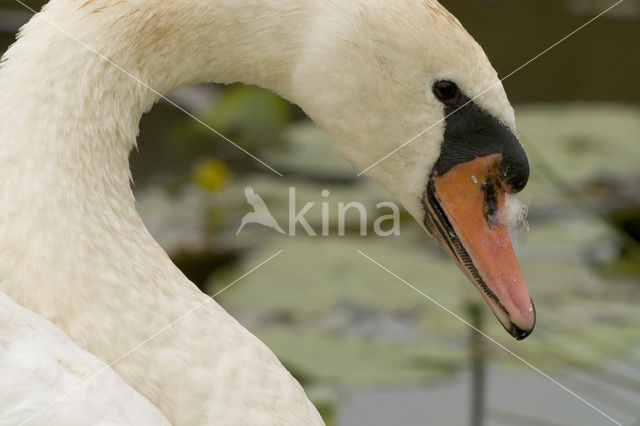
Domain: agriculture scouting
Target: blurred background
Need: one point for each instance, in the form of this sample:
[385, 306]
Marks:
[369, 350]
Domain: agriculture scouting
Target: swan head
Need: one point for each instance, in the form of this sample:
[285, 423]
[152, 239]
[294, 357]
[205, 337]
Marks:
[409, 97]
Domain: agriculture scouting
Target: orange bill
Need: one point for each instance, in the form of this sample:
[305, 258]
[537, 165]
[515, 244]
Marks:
[466, 214]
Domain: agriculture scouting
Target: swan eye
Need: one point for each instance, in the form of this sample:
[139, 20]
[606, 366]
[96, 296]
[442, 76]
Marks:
[446, 91]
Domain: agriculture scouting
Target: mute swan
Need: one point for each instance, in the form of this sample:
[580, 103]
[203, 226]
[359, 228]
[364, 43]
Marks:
[372, 74]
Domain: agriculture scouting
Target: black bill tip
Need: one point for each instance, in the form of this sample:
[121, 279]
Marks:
[519, 333]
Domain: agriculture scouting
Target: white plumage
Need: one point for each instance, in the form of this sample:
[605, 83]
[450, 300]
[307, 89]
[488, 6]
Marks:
[73, 249]
[40, 364]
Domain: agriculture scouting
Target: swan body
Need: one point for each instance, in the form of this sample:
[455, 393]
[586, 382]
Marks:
[39, 363]
[73, 249]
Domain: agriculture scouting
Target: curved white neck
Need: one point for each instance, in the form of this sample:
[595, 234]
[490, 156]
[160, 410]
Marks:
[74, 87]
[72, 246]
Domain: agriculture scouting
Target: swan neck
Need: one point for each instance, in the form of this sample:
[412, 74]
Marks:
[74, 87]
[77, 81]
[74, 250]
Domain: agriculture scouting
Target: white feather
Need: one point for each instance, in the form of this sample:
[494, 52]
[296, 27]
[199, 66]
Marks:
[515, 212]
[39, 363]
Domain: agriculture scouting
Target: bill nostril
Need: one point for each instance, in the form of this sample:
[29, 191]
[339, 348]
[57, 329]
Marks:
[490, 202]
